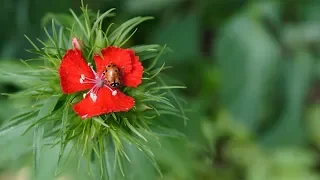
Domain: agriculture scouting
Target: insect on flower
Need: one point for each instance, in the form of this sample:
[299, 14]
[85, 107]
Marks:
[115, 67]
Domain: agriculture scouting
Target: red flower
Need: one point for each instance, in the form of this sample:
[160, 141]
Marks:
[115, 65]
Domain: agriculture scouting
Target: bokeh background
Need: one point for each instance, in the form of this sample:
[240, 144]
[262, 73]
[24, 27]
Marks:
[252, 70]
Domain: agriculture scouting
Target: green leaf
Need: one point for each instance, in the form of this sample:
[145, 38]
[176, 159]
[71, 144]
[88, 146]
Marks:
[18, 121]
[79, 23]
[290, 130]
[169, 87]
[62, 130]
[64, 20]
[167, 132]
[134, 130]
[100, 19]
[46, 109]
[32, 43]
[154, 62]
[247, 75]
[150, 6]
[154, 48]
[118, 36]
[15, 147]
[139, 159]
[37, 143]
[183, 115]
[109, 156]
[100, 121]
[312, 117]
[181, 34]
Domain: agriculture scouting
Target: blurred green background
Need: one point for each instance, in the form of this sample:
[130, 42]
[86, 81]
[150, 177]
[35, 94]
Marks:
[252, 70]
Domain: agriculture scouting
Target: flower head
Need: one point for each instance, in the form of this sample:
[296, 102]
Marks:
[115, 67]
[102, 83]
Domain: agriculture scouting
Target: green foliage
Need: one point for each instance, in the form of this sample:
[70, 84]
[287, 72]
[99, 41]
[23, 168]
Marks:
[252, 105]
[54, 123]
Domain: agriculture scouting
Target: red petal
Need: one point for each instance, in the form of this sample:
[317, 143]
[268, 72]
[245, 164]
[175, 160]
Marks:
[120, 57]
[133, 79]
[71, 68]
[105, 103]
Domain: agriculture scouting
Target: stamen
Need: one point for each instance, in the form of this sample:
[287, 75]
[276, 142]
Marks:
[93, 96]
[91, 67]
[114, 92]
[97, 83]
[82, 78]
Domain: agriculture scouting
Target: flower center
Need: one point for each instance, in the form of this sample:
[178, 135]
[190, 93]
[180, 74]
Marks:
[97, 83]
